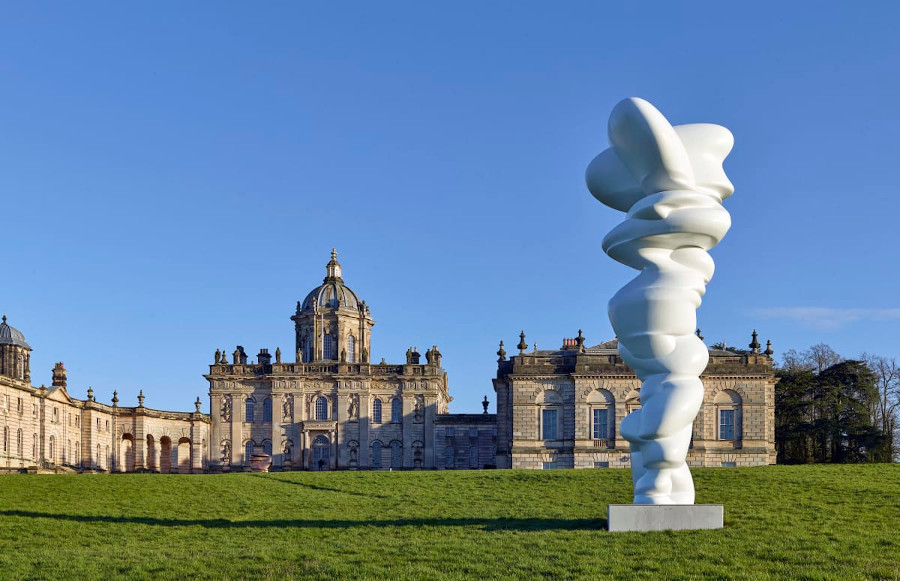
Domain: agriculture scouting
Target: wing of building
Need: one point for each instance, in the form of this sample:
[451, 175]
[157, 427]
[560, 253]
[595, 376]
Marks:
[326, 406]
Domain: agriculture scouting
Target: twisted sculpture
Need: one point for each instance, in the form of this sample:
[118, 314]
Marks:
[670, 182]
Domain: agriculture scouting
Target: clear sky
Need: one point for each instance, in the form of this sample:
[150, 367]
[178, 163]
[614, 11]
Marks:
[174, 175]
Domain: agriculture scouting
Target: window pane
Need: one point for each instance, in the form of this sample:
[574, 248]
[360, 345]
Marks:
[267, 410]
[548, 424]
[601, 424]
[396, 410]
[321, 409]
[376, 411]
[726, 424]
[249, 411]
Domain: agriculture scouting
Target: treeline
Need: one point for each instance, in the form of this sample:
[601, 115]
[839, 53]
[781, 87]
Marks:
[831, 409]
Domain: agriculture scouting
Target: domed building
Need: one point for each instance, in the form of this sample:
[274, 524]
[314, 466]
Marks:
[326, 406]
[15, 353]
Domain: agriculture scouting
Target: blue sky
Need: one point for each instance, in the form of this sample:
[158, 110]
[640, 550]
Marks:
[173, 176]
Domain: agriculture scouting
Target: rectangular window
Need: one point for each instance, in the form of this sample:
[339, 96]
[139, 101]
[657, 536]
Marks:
[726, 424]
[19, 405]
[549, 419]
[601, 423]
[549, 465]
[601, 464]
[729, 464]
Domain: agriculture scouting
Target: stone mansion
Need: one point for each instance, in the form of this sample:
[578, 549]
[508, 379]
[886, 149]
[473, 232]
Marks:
[326, 406]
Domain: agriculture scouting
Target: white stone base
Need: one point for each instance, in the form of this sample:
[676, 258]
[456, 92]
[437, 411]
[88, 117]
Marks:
[664, 517]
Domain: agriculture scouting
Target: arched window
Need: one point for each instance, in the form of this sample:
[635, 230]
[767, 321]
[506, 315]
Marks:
[267, 409]
[376, 454]
[330, 345]
[376, 411]
[396, 410]
[396, 454]
[728, 415]
[449, 459]
[248, 412]
[602, 407]
[321, 408]
[248, 450]
[549, 402]
[267, 447]
[351, 349]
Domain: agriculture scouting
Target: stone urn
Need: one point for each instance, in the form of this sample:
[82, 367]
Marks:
[260, 462]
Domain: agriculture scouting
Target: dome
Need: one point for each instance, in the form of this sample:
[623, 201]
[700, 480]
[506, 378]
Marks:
[332, 293]
[11, 336]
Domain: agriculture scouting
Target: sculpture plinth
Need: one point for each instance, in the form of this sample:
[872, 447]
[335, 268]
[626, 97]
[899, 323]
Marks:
[670, 182]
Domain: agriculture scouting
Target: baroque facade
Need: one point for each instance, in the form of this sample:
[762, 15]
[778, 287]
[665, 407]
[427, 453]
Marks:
[45, 428]
[328, 407]
[562, 408]
[331, 407]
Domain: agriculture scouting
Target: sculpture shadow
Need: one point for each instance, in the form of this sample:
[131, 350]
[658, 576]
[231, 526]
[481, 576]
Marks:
[488, 524]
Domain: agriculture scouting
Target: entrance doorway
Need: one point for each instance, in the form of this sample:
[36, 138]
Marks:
[320, 449]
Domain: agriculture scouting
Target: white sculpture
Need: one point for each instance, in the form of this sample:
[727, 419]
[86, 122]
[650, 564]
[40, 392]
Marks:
[671, 183]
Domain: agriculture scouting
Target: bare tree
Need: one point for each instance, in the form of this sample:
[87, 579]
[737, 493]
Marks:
[886, 412]
[817, 358]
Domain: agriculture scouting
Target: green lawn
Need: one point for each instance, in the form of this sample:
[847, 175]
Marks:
[803, 522]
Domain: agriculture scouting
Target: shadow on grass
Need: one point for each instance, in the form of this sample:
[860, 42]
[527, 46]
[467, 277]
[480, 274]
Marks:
[489, 524]
[271, 478]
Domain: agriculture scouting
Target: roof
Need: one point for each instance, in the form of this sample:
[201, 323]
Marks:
[332, 293]
[9, 335]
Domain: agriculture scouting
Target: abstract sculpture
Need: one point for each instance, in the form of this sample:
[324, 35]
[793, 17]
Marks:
[671, 183]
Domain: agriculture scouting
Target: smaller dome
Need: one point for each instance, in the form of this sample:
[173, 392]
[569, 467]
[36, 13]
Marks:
[11, 336]
[332, 293]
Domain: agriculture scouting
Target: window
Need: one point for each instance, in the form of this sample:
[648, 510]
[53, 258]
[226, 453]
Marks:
[396, 410]
[729, 464]
[98, 424]
[329, 346]
[449, 459]
[376, 411]
[726, 424]
[107, 425]
[448, 432]
[728, 412]
[549, 465]
[248, 451]
[248, 412]
[351, 349]
[55, 415]
[5, 438]
[52, 449]
[376, 454]
[34, 448]
[267, 447]
[19, 442]
[19, 405]
[267, 409]
[396, 454]
[473, 457]
[549, 419]
[321, 408]
[601, 423]
[601, 464]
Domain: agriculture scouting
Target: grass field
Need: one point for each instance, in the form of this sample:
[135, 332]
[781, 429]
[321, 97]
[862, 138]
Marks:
[804, 522]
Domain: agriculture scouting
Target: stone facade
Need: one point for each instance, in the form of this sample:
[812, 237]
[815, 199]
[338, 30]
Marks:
[330, 408]
[44, 428]
[562, 408]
